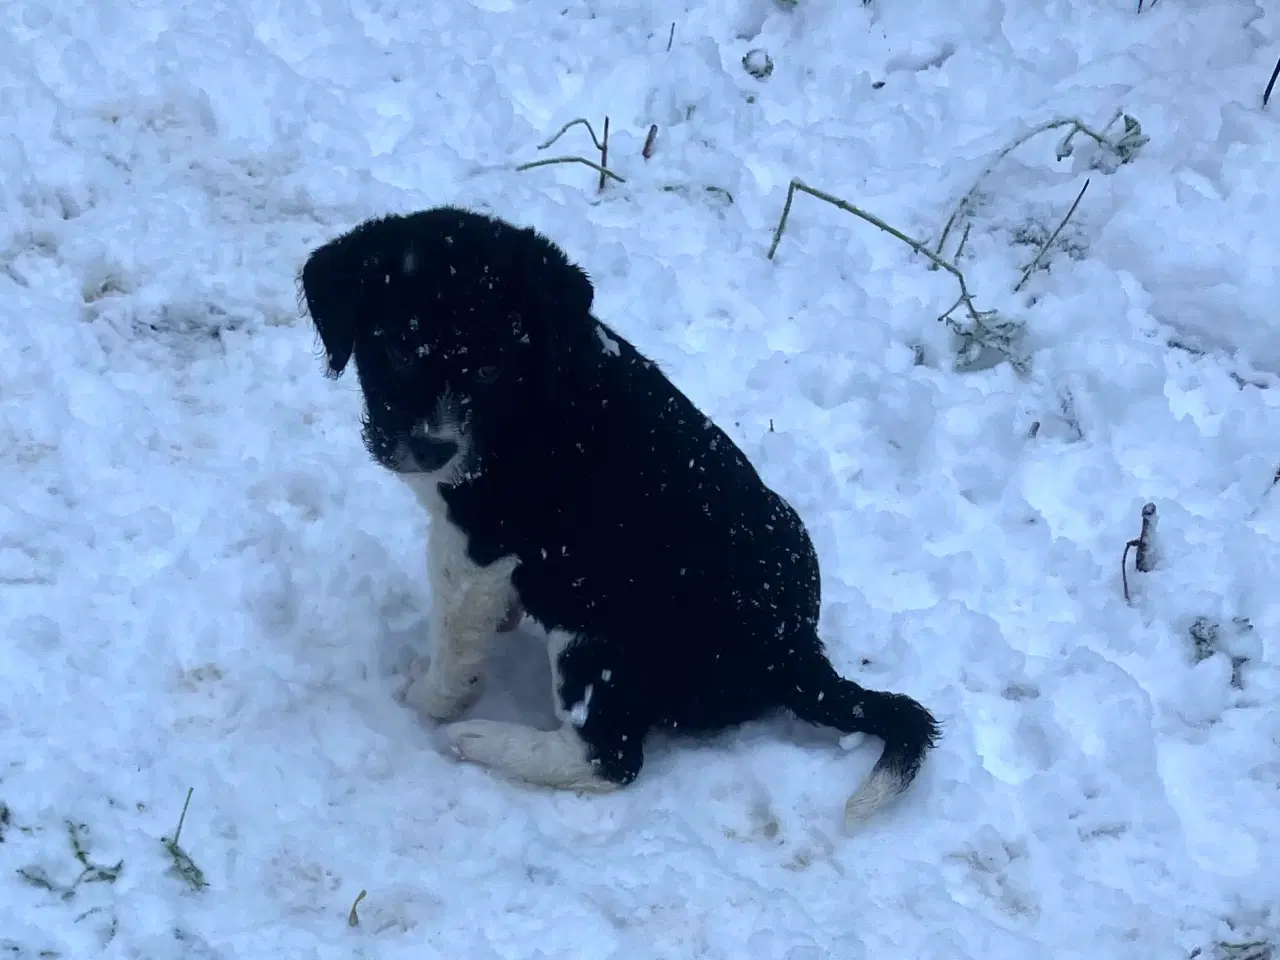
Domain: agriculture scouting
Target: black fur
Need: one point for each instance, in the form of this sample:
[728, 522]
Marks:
[639, 525]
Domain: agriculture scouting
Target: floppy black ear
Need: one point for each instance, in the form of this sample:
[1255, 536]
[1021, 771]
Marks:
[565, 287]
[331, 282]
[563, 294]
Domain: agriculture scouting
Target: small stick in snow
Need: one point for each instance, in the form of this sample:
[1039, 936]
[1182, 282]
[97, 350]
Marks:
[978, 317]
[600, 168]
[1124, 148]
[572, 123]
[647, 150]
[1271, 84]
[183, 865]
[671, 36]
[594, 165]
[604, 156]
[353, 918]
[1144, 557]
[1035, 261]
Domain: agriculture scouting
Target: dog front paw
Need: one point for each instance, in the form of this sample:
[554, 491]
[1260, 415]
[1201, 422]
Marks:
[439, 700]
[414, 668]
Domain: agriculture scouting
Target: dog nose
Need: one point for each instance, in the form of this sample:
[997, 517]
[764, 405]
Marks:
[431, 453]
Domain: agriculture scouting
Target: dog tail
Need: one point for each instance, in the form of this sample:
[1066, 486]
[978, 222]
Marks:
[824, 698]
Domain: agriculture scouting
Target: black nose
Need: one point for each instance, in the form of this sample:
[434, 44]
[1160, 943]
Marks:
[431, 453]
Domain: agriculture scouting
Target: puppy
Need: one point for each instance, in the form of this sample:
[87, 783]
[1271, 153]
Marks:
[565, 475]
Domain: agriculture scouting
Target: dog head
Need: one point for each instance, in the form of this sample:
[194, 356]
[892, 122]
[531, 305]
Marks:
[454, 319]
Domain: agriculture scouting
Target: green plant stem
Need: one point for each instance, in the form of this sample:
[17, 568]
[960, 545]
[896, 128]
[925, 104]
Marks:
[573, 123]
[965, 299]
[966, 201]
[583, 160]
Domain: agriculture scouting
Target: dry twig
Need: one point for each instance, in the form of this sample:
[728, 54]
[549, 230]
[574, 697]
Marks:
[647, 150]
[1144, 557]
[583, 160]
[183, 865]
[1122, 148]
[600, 168]
[986, 326]
[353, 918]
[1044, 248]
[563, 130]
[604, 156]
[1271, 84]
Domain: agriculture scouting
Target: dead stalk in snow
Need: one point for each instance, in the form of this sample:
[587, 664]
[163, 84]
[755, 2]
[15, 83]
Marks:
[183, 865]
[647, 150]
[986, 327]
[604, 156]
[353, 918]
[1241, 950]
[966, 298]
[600, 168]
[1044, 248]
[1123, 148]
[1271, 84]
[1144, 548]
[565, 129]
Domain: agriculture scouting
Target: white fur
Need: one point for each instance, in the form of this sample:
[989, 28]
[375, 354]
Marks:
[468, 603]
[878, 789]
[548, 758]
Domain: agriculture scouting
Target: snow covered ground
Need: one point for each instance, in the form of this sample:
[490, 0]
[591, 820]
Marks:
[205, 585]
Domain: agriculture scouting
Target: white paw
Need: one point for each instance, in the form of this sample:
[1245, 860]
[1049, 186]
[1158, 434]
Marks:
[477, 741]
[439, 700]
[414, 669]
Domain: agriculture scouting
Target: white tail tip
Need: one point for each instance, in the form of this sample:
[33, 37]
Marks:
[878, 789]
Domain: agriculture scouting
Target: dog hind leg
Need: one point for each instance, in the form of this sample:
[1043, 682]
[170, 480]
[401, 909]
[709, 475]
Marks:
[560, 758]
[546, 758]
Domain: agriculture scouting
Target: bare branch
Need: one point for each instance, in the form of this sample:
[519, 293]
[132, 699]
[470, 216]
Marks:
[583, 160]
[604, 156]
[966, 298]
[353, 918]
[1035, 262]
[1123, 147]
[572, 123]
[1145, 558]
[647, 150]
[1143, 546]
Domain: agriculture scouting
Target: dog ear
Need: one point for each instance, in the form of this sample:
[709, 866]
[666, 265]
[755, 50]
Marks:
[332, 281]
[565, 286]
[563, 293]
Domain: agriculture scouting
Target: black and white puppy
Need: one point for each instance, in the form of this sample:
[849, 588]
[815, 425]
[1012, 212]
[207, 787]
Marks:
[565, 474]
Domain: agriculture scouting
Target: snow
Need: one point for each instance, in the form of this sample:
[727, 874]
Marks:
[206, 585]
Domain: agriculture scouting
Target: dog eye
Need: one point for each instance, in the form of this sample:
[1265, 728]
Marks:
[488, 374]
